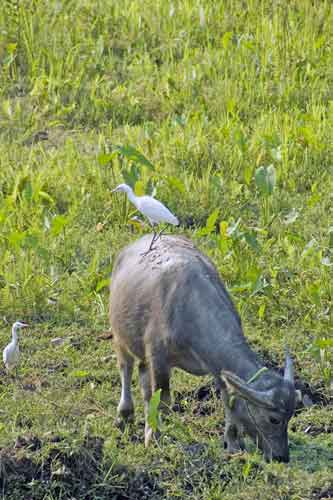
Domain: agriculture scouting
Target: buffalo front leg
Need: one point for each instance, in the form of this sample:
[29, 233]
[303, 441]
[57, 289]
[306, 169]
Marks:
[233, 440]
[125, 411]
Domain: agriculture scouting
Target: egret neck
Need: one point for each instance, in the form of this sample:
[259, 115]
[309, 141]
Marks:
[14, 334]
[131, 196]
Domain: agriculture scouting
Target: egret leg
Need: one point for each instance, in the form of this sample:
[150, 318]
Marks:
[161, 232]
[155, 237]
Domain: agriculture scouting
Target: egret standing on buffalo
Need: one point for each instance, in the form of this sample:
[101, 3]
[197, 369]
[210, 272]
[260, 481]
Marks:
[153, 209]
[11, 353]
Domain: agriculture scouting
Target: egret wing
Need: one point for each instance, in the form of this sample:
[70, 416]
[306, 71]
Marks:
[156, 211]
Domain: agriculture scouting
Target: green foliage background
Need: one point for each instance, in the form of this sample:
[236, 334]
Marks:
[218, 96]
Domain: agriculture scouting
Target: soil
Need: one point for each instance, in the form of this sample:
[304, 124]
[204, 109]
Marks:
[76, 471]
[323, 494]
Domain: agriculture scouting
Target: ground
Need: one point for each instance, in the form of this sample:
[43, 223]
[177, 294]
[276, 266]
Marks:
[224, 111]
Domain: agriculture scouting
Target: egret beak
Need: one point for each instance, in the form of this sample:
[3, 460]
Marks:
[24, 325]
[114, 190]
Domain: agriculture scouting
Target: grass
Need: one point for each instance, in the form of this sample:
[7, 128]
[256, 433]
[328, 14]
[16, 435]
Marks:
[209, 93]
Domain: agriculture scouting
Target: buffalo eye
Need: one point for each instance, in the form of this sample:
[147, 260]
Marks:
[274, 421]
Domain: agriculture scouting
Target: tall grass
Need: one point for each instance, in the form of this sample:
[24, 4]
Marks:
[210, 93]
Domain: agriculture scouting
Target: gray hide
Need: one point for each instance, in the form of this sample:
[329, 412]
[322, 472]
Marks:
[169, 308]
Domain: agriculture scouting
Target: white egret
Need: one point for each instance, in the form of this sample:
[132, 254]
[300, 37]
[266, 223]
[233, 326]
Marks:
[153, 209]
[11, 352]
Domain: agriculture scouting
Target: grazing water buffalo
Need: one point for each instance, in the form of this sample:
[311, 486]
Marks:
[169, 308]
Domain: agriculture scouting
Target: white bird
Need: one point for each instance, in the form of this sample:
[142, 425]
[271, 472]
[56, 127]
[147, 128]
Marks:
[153, 209]
[11, 352]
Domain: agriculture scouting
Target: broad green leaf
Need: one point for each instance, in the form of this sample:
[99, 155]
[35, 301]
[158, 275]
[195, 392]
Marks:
[261, 311]
[27, 191]
[45, 196]
[240, 138]
[231, 106]
[211, 221]
[251, 240]
[11, 47]
[226, 39]
[16, 238]
[136, 222]
[58, 223]
[102, 284]
[224, 229]
[79, 373]
[131, 175]
[31, 240]
[133, 154]
[104, 158]
[210, 224]
[177, 183]
[323, 343]
[314, 292]
[153, 410]
[259, 285]
[246, 470]
[248, 172]
[265, 178]
[43, 253]
[139, 188]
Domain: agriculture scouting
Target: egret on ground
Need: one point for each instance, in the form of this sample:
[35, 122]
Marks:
[153, 209]
[11, 353]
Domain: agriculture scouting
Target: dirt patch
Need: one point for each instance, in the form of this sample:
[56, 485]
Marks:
[204, 397]
[312, 426]
[29, 442]
[199, 468]
[311, 395]
[76, 469]
[25, 472]
[322, 494]
[105, 336]
[135, 485]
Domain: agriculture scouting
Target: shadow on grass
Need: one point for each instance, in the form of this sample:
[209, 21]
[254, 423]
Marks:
[32, 470]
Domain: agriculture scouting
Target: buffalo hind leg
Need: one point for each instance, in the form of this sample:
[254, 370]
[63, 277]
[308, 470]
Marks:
[159, 378]
[146, 394]
[125, 410]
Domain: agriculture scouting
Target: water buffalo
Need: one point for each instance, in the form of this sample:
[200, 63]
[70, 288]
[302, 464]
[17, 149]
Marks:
[169, 308]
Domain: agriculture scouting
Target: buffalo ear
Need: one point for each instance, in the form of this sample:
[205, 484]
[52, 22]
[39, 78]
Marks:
[289, 369]
[243, 390]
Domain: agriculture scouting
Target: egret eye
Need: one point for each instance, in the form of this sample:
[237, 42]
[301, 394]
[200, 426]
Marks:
[274, 421]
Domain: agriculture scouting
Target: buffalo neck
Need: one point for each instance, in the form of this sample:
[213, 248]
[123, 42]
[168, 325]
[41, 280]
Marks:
[244, 362]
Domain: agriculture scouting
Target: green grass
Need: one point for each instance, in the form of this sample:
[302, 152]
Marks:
[208, 93]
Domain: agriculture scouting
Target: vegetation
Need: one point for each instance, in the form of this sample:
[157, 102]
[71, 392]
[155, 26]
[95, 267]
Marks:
[225, 110]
